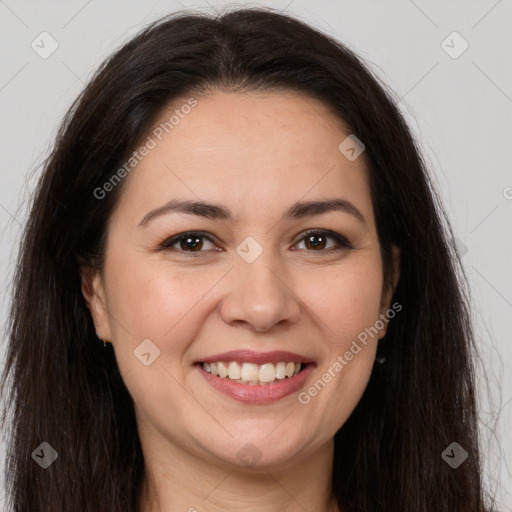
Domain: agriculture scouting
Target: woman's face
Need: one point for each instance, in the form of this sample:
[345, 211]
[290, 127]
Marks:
[249, 281]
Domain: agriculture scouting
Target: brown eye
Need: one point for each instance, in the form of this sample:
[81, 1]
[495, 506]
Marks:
[192, 242]
[317, 241]
[314, 241]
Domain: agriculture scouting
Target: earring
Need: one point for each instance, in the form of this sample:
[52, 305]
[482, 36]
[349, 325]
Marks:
[380, 359]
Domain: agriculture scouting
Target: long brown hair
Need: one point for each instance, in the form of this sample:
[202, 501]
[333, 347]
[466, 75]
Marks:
[63, 388]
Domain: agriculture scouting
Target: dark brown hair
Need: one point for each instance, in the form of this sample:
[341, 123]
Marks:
[62, 387]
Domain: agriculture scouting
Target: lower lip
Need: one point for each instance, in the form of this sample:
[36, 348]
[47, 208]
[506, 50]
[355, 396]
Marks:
[257, 394]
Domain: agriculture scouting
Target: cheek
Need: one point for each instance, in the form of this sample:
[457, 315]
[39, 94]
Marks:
[151, 299]
[346, 304]
[346, 300]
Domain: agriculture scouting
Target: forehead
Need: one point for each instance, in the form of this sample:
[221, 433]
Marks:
[248, 150]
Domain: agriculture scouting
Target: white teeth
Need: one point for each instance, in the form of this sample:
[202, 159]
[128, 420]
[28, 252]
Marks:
[234, 370]
[223, 370]
[280, 370]
[267, 373]
[250, 371]
[252, 374]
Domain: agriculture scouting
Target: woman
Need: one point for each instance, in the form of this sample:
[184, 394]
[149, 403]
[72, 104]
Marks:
[236, 290]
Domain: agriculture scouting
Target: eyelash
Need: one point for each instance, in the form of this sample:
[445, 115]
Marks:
[342, 242]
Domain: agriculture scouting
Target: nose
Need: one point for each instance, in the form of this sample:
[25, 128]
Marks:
[259, 296]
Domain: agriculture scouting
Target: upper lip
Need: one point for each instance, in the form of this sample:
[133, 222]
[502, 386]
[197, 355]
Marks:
[249, 356]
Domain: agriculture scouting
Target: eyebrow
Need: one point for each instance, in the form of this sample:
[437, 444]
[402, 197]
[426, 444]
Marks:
[212, 211]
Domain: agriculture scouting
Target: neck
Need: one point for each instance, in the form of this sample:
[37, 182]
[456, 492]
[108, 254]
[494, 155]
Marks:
[175, 479]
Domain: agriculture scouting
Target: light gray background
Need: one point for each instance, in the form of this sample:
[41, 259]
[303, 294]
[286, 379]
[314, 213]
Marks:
[460, 110]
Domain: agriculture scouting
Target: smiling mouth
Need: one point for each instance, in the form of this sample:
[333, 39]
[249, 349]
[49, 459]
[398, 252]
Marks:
[252, 374]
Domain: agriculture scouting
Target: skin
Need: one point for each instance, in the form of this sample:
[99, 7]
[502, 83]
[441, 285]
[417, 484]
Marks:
[256, 153]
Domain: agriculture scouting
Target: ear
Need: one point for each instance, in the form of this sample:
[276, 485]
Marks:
[387, 294]
[95, 299]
